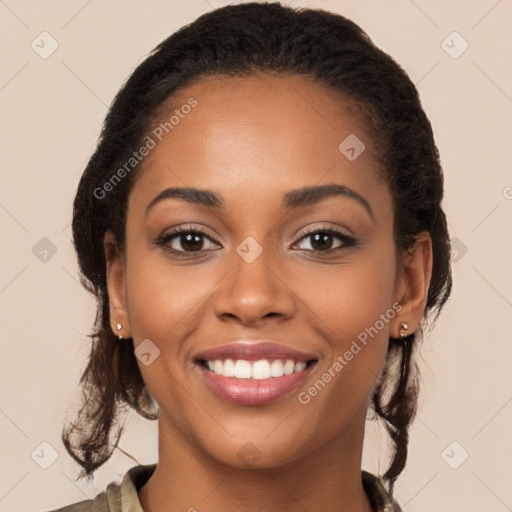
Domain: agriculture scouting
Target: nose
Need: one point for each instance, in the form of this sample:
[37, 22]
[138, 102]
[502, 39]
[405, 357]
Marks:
[253, 292]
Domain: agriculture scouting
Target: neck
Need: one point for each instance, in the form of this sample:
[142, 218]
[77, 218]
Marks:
[329, 479]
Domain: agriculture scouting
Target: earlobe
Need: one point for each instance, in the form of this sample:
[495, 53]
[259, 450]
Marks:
[413, 286]
[116, 286]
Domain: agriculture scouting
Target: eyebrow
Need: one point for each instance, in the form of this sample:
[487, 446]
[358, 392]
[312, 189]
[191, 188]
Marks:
[293, 199]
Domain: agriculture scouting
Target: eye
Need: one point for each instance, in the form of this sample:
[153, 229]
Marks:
[322, 240]
[186, 240]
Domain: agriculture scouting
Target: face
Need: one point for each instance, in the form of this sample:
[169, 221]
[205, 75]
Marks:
[292, 246]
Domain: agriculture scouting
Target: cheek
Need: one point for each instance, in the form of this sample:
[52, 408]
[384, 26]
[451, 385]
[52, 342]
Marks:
[355, 312]
[349, 298]
[352, 308]
[165, 304]
[342, 304]
[163, 297]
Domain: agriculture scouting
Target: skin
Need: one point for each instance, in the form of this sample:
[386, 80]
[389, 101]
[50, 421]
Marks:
[251, 140]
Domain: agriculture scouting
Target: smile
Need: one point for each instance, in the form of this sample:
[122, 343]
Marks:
[253, 374]
[258, 370]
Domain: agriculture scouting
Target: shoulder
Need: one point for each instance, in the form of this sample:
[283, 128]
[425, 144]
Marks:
[117, 497]
[98, 504]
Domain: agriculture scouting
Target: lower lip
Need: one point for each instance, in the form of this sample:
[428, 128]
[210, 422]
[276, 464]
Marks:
[253, 391]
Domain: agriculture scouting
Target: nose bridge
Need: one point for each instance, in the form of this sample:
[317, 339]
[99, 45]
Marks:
[253, 288]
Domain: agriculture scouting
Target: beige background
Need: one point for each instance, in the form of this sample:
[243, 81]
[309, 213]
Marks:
[52, 110]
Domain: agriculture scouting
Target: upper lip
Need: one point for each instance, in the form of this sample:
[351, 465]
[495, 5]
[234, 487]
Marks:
[251, 351]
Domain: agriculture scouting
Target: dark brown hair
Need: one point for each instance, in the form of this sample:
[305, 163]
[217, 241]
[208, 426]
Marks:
[236, 41]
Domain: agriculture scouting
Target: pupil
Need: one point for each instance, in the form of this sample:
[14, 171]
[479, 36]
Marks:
[322, 241]
[193, 241]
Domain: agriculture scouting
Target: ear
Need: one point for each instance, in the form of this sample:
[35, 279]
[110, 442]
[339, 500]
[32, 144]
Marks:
[412, 284]
[116, 286]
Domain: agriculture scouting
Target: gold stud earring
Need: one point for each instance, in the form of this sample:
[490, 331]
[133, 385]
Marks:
[119, 327]
[403, 327]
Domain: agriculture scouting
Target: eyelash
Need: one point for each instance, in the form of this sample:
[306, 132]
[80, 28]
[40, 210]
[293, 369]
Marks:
[347, 240]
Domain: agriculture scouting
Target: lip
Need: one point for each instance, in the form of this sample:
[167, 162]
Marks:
[251, 351]
[253, 391]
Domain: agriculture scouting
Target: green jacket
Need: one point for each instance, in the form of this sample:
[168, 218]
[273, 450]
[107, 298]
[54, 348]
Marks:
[123, 497]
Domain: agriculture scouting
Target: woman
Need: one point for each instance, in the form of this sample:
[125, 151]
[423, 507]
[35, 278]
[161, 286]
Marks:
[261, 224]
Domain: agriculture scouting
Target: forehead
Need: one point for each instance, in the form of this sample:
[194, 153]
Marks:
[258, 135]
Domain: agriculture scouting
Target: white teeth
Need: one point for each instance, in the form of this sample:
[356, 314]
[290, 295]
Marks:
[289, 366]
[261, 369]
[228, 369]
[242, 369]
[276, 368]
[217, 366]
[300, 366]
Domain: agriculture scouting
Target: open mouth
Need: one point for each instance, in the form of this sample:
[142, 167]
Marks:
[258, 369]
[254, 373]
